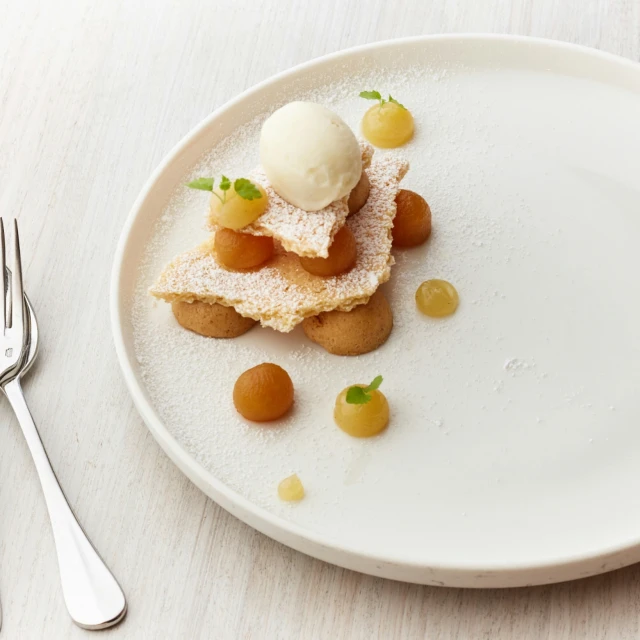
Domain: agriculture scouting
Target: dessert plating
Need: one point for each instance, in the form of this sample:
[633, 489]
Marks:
[282, 294]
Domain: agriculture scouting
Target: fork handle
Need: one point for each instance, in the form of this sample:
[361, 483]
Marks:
[92, 595]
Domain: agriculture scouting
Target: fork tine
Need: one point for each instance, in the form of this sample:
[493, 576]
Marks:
[17, 293]
[3, 267]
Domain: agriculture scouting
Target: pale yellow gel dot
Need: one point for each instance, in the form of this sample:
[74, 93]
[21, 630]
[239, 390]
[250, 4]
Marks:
[291, 489]
[362, 420]
[437, 298]
[387, 126]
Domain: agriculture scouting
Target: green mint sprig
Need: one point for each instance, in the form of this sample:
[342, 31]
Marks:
[246, 189]
[375, 95]
[243, 187]
[362, 395]
[204, 184]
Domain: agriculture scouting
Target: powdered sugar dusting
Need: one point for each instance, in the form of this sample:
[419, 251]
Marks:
[460, 421]
[306, 233]
[198, 410]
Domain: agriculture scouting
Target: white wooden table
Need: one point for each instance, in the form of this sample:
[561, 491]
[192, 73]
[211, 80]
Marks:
[92, 96]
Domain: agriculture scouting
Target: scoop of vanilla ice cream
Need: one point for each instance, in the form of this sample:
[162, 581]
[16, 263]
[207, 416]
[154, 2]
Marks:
[309, 155]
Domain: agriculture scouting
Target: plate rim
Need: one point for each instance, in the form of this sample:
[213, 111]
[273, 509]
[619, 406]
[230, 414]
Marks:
[301, 538]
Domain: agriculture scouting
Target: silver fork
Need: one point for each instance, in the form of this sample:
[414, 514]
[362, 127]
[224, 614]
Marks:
[92, 595]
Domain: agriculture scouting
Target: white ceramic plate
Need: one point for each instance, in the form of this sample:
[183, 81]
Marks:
[513, 453]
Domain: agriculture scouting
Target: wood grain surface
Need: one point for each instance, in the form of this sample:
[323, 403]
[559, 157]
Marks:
[92, 96]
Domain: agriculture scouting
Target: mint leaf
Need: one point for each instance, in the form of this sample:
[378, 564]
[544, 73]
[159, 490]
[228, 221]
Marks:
[396, 102]
[225, 184]
[358, 395]
[375, 383]
[246, 189]
[371, 95]
[204, 184]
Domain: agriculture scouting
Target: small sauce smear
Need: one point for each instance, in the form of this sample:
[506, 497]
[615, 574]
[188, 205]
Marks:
[291, 489]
